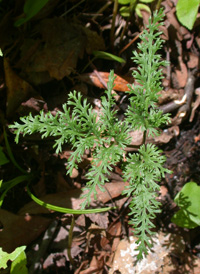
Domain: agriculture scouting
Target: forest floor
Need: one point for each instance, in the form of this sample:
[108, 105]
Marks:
[42, 62]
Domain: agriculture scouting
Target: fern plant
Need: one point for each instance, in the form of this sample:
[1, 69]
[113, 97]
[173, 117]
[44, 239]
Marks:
[107, 137]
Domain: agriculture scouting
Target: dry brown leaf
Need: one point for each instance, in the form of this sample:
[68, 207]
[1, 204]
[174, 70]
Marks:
[193, 60]
[80, 221]
[101, 219]
[96, 266]
[163, 138]
[181, 73]
[174, 24]
[20, 230]
[163, 191]
[111, 240]
[8, 32]
[120, 82]
[195, 105]
[115, 231]
[62, 44]
[62, 185]
[95, 230]
[18, 90]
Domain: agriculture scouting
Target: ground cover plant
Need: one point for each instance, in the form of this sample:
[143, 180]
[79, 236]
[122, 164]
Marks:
[107, 137]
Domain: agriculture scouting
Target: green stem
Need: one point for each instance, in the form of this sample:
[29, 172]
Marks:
[66, 210]
[70, 237]
[158, 4]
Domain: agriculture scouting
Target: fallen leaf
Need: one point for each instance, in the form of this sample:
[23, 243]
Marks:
[62, 43]
[8, 32]
[181, 73]
[163, 138]
[18, 90]
[193, 60]
[95, 266]
[174, 25]
[196, 104]
[95, 230]
[101, 219]
[92, 79]
[20, 230]
[163, 191]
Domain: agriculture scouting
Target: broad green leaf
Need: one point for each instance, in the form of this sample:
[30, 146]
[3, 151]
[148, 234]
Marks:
[19, 264]
[31, 8]
[3, 159]
[124, 11]
[188, 199]
[108, 56]
[140, 7]
[186, 11]
[5, 257]
[124, 2]
[1, 53]
[146, 1]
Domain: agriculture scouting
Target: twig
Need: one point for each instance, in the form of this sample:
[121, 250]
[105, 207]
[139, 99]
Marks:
[130, 43]
[184, 104]
[70, 237]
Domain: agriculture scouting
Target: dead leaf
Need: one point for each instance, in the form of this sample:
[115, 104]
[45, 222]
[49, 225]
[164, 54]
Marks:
[62, 185]
[111, 240]
[163, 138]
[163, 191]
[18, 90]
[181, 73]
[62, 43]
[94, 41]
[20, 230]
[195, 105]
[95, 230]
[101, 219]
[8, 32]
[193, 60]
[166, 136]
[95, 266]
[33, 105]
[174, 24]
[92, 79]
[115, 231]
